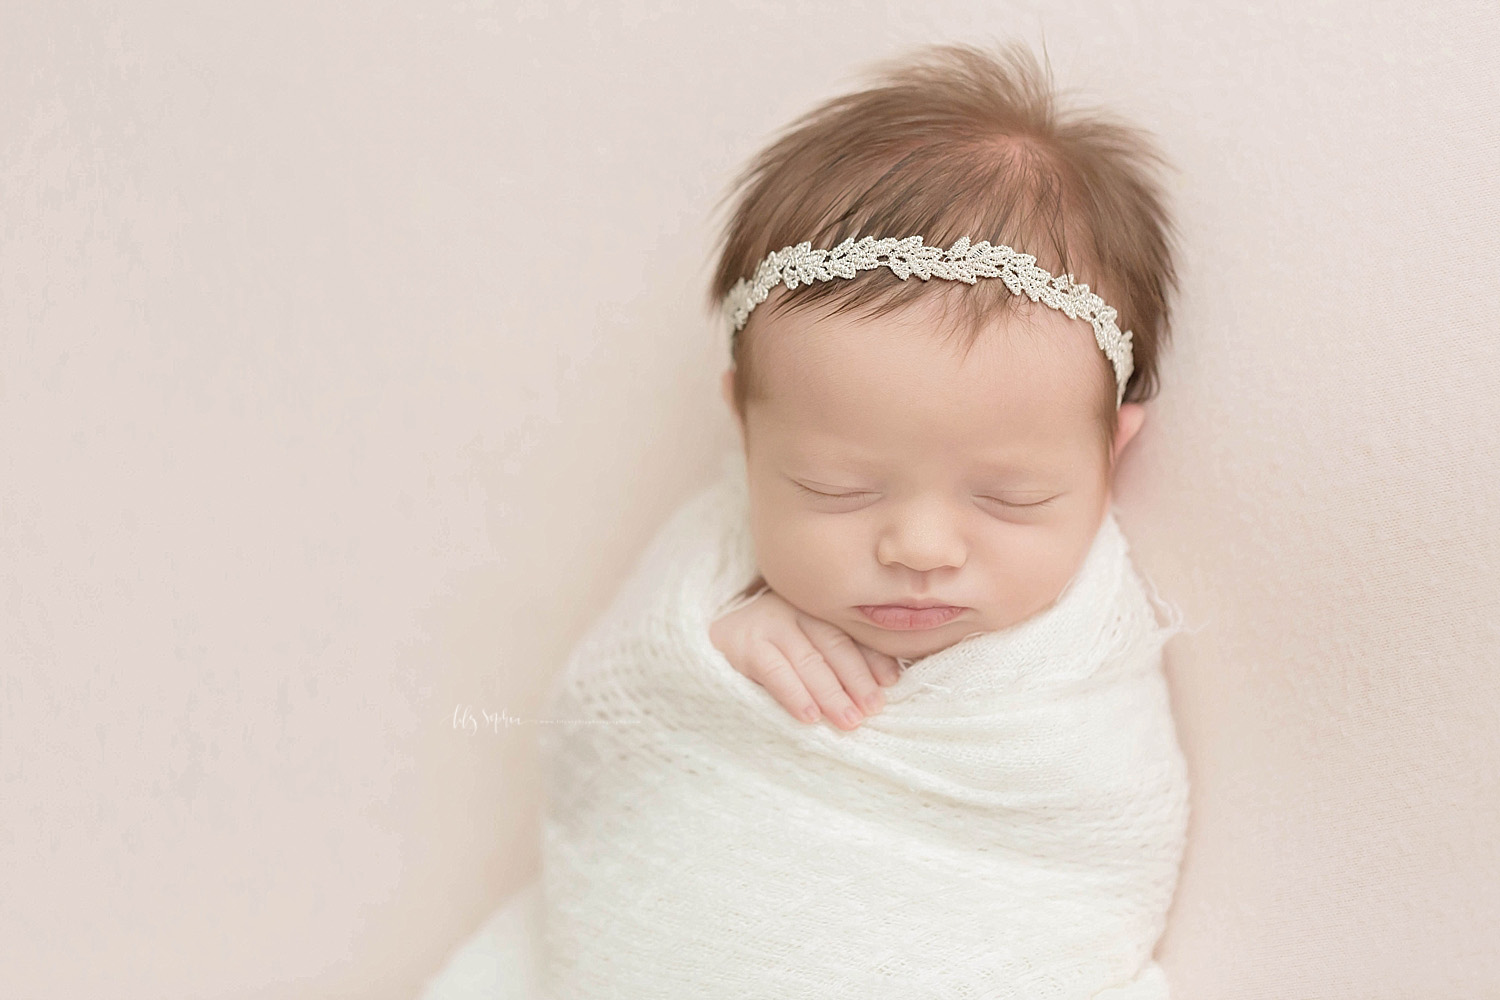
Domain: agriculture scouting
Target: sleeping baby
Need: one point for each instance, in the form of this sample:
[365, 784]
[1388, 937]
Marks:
[880, 712]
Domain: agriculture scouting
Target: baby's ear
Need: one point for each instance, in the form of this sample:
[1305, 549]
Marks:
[1130, 418]
[726, 387]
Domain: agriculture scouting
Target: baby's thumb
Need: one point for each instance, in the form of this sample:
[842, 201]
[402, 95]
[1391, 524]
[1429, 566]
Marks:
[885, 668]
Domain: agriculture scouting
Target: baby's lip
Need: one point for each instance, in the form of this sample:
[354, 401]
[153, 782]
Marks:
[915, 603]
[903, 617]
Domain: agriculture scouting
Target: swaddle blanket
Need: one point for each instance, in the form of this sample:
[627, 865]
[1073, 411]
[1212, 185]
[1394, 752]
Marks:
[1010, 825]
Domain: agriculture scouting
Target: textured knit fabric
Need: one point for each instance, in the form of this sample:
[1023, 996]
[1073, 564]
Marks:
[1010, 825]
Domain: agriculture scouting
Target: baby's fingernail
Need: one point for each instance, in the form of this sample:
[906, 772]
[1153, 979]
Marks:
[810, 713]
[852, 716]
[873, 703]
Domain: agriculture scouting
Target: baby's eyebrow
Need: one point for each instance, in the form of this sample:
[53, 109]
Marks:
[1010, 475]
[1031, 473]
[828, 456]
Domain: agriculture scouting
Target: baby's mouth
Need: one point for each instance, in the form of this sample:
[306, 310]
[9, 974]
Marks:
[899, 617]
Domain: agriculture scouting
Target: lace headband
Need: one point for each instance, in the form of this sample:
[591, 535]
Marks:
[802, 265]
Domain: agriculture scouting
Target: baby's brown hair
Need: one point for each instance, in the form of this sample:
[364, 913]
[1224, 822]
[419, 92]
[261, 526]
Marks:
[953, 141]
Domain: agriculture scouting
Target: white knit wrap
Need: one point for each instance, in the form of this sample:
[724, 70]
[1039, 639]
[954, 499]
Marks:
[1010, 825]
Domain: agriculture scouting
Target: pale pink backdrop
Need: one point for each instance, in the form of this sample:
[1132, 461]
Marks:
[351, 352]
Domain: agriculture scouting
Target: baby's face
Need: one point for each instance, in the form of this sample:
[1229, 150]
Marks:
[885, 470]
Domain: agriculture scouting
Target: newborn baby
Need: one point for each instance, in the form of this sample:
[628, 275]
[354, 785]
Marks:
[919, 526]
[905, 492]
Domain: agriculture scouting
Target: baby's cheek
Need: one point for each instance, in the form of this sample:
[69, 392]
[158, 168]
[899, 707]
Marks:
[806, 558]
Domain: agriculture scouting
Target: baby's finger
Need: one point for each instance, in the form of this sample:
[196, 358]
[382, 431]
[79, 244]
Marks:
[770, 668]
[848, 662]
[821, 681]
[885, 668]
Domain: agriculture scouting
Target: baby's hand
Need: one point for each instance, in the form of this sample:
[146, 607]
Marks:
[807, 664]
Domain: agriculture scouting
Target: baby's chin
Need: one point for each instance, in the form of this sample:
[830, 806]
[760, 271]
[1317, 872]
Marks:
[913, 644]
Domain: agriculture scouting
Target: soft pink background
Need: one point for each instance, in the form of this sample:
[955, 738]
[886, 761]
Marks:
[351, 353]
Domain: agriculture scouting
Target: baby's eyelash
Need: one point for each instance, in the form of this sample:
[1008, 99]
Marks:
[1007, 503]
[827, 496]
[846, 496]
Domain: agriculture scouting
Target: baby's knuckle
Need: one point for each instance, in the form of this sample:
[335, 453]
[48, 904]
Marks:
[810, 661]
[773, 669]
[839, 639]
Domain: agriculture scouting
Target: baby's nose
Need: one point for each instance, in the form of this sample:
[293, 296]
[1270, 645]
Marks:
[922, 541]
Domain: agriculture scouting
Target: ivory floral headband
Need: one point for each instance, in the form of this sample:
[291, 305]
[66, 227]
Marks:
[802, 265]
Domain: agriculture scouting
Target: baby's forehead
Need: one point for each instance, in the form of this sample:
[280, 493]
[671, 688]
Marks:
[929, 330]
[904, 439]
[1038, 377]
[978, 377]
